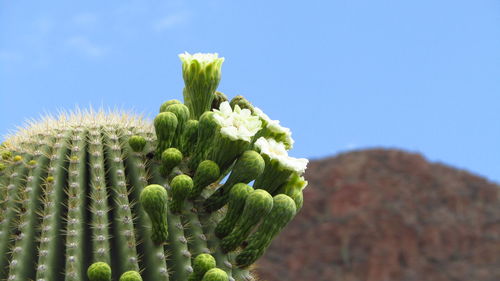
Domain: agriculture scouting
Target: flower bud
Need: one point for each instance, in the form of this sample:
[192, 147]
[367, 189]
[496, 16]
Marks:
[137, 143]
[201, 73]
[99, 271]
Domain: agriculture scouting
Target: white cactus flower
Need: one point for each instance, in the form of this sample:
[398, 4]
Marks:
[202, 58]
[276, 150]
[239, 124]
[275, 128]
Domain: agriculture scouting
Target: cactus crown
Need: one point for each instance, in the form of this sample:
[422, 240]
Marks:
[95, 195]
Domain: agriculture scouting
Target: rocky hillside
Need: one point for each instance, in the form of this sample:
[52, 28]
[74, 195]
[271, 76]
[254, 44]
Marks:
[380, 215]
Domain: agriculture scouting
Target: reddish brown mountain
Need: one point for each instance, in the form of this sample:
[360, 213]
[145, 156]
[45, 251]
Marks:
[381, 215]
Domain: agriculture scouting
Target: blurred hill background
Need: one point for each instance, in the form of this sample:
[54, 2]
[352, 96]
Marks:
[389, 215]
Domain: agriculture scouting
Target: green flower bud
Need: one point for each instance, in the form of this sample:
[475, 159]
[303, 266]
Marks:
[166, 104]
[182, 185]
[206, 128]
[281, 214]
[215, 274]
[170, 158]
[247, 168]
[50, 179]
[257, 205]
[201, 264]
[190, 136]
[6, 155]
[293, 187]
[201, 73]
[165, 126]
[237, 197]
[273, 176]
[207, 173]
[219, 98]
[32, 163]
[182, 113]
[2, 167]
[154, 200]
[131, 276]
[242, 103]
[99, 271]
[137, 143]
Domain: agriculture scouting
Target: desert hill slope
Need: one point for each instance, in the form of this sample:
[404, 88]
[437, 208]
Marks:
[380, 215]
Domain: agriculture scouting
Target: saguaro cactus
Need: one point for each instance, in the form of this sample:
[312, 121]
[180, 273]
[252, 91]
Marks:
[108, 196]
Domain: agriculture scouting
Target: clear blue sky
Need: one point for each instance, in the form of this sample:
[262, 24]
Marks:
[418, 75]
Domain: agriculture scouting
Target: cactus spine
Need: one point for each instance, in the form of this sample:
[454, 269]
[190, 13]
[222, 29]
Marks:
[98, 196]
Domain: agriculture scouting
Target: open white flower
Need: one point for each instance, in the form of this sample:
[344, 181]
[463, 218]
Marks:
[239, 124]
[275, 128]
[202, 58]
[276, 150]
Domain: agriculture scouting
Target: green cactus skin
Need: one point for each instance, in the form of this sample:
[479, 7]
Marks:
[207, 172]
[257, 205]
[237, 197]
[22, 251]
[181, 185]
[197, 241]
[99, 206]
[201, 264]
[215, 274]
[131, 276]
[248, 167]
[99, 271]
[54, 195]
[154, 200]
[76, 209]
[124, 241]
[14, 187]
[282, 212]
[170, 158]
[73, 193]
[137, 143]
[165, 127]
[154, 256]
[163, 107]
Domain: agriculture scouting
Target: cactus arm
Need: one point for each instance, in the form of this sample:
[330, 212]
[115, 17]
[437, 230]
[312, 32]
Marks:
[50, 260]
[283, 211]
[179, 261]
[20, 171]
[123, 228]
[209, 222]
[25, 243]
[197, 241]
[76, 230]
[99, 207]
[154, 257]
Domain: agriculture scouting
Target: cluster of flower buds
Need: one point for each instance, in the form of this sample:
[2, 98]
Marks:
[207, 139]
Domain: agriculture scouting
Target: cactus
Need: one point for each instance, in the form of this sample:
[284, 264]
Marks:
[96, 195]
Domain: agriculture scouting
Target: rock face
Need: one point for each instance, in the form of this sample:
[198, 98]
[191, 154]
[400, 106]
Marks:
[380, 215]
